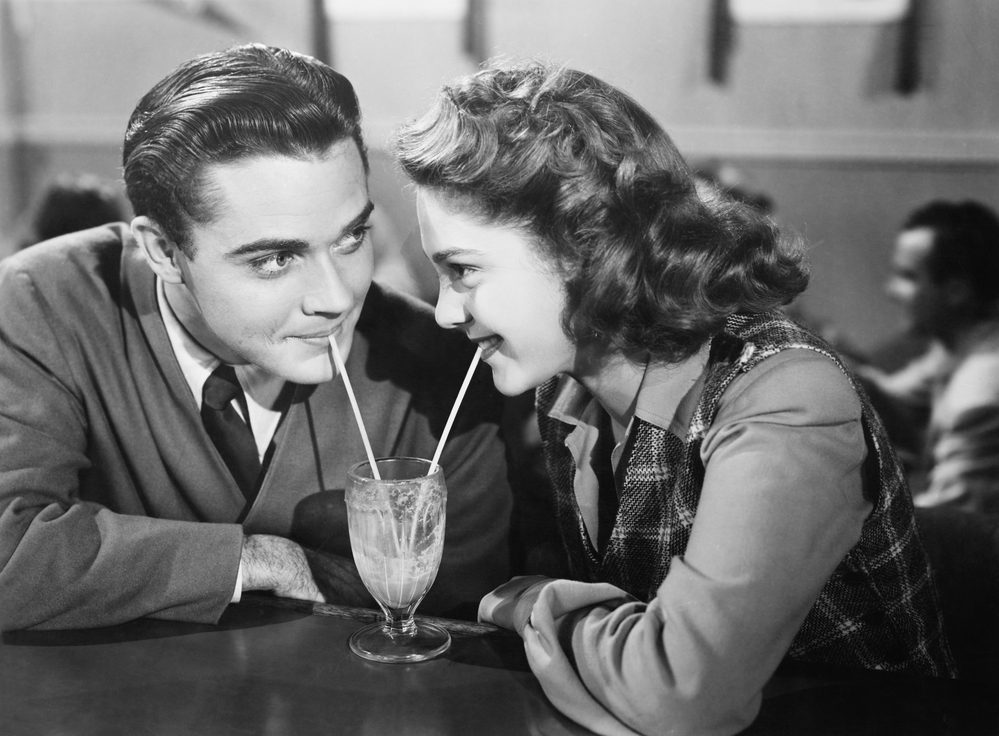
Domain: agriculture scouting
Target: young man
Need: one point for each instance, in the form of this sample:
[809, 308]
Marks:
[944, 274]
[247, 173]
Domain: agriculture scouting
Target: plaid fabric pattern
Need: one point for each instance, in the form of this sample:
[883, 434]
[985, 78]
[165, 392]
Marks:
[879, 610]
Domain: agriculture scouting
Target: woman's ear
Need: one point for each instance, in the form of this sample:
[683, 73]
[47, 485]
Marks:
[161, 253]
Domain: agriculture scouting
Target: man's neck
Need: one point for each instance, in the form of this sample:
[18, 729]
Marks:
[188, 314]
[266, 390]
[959, 338]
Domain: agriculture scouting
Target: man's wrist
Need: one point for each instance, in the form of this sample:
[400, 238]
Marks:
[237, 594]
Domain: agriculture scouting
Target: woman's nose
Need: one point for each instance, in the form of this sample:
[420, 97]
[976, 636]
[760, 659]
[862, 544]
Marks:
[450, 309]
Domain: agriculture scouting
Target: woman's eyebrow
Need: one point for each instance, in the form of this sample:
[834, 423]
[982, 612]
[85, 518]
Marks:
[449, 253]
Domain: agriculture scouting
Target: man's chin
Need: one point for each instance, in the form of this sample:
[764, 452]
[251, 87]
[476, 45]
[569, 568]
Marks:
[314, 376]
[306, 372]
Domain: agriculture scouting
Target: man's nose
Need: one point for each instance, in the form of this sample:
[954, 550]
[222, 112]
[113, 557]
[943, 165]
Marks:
[897, 290]
[327, 292]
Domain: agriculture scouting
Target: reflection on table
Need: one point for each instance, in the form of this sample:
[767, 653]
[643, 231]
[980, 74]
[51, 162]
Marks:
[269, 667]
[281, 667]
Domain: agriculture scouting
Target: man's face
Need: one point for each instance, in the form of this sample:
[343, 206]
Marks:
[284, 265]
[912, 285]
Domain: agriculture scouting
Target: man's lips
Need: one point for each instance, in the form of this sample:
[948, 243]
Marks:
[319, 336]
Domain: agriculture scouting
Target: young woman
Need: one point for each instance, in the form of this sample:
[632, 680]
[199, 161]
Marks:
[724, 494]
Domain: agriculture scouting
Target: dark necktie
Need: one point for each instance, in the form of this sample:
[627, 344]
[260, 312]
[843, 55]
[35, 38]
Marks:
[231, 435]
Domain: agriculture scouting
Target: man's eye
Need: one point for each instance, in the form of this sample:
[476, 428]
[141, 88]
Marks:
[354, 239]
[273, 264]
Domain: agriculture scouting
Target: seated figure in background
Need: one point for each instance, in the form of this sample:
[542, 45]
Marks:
[126, 346]
[72, 202]
[945, 273]
[725, 496]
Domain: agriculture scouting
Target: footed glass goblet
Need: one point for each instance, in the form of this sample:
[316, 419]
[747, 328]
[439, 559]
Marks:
[396, 526]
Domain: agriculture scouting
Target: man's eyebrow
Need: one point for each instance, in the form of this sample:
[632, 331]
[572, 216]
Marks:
[361, 218]
[267, 245]
[449, 253]
[272, 245]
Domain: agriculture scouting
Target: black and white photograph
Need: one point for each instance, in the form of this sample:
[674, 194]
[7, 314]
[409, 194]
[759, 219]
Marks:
[499, 367]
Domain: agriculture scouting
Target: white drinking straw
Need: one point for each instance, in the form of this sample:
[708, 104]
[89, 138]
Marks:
[454, 409]
[353, 403]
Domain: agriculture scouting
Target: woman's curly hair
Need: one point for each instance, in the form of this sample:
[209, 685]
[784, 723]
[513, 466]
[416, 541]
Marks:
[649, 264]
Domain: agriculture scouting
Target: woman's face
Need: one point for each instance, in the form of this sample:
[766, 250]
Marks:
[495, 287]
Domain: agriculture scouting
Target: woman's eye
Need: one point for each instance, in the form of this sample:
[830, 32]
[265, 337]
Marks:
[459, 270]
[459, 276]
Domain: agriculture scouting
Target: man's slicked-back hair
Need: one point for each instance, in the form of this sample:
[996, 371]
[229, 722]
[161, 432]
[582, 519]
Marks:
[649, 265]
[965, 246]
[225, 106]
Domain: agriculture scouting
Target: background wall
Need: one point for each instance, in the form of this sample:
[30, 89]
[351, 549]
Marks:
[810, 114]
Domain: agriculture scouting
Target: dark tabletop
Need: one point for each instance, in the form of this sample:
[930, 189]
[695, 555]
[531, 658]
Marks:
[283, 668]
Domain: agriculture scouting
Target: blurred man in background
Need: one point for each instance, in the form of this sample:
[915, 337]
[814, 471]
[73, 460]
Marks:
[945, 274]
[71, 202]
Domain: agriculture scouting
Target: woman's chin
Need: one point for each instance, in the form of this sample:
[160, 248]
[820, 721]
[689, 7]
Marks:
[511, 384]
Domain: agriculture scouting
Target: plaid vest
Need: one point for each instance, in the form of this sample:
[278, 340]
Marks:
[879, 609]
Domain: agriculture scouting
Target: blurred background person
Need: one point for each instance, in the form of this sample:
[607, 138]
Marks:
[942, 408]
[71, 202]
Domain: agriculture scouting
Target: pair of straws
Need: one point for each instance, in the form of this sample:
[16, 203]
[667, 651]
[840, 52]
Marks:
[338, 359]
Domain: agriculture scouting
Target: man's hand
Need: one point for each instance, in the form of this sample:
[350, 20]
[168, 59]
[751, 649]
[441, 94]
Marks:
[278, 565]
[338, 579]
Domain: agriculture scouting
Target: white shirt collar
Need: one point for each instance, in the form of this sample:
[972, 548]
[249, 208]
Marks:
[197, 364]
[660, 394]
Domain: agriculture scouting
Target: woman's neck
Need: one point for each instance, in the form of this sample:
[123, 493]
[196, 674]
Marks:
[614, 381]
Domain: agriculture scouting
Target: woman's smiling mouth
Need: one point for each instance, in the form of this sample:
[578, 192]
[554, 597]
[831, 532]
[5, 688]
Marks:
[489, 345]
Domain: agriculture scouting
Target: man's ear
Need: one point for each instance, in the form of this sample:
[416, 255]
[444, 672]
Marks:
[958, 291]
[162, 254]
